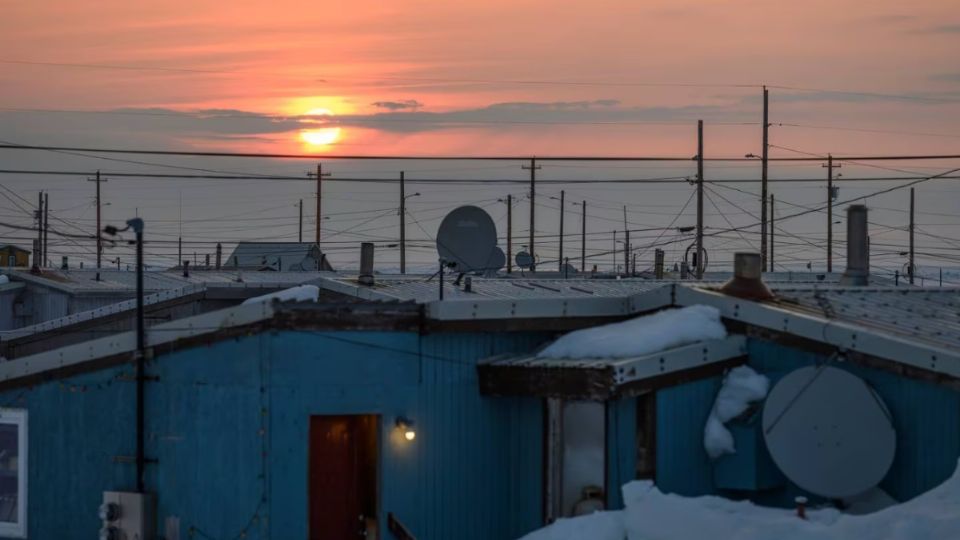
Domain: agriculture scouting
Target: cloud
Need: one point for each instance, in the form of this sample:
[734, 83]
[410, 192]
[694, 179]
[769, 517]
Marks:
[946, 77]
[944, 29]
[407, 104]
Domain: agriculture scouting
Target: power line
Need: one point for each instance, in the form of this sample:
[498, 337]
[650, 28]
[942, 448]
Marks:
[10, 146]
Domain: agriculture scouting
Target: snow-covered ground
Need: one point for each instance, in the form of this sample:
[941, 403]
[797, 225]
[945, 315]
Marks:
[640, 336]
[652, 515]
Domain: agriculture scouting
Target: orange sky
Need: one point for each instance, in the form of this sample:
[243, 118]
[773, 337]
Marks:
[284, 57]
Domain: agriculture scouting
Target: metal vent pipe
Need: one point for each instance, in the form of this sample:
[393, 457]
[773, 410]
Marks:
[858, 247]
[366, 263]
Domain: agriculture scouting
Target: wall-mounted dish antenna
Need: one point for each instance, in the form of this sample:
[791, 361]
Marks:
[523, 260]
[828, 432]
[467, 239]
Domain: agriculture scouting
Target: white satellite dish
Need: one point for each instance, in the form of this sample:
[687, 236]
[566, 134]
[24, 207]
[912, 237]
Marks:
[468, 239]
[828, 432]
[523, 259]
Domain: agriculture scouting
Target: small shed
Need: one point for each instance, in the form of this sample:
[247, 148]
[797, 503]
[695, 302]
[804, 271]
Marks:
[282, 256]
[14, 256]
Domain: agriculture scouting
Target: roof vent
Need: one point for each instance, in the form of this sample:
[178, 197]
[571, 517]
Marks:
[858, 247]
[186, 268]
[747, 281]
[366, 263]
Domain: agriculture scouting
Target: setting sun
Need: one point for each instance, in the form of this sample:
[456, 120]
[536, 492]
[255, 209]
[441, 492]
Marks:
[321, 136]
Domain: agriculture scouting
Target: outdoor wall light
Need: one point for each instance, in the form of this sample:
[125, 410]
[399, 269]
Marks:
[405, 425]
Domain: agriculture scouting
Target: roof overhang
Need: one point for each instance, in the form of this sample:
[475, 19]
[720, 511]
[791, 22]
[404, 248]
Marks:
[841, 335]
[601, 379]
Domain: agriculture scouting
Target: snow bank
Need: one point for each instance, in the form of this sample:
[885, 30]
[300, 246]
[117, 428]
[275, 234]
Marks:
[300, 293]
[640, 336]
[4, 279]
[596, 526]
[741, 387]
[652, 515]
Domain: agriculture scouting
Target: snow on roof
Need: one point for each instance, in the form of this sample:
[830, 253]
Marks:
[291, 255]
[640, 336]
[650, 513]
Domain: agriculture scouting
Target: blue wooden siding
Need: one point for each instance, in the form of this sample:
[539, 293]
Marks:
[926, 417]
[229, 425]
[621, 448]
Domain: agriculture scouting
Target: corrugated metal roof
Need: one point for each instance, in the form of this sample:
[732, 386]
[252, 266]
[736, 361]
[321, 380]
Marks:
[291, 255]
[930, 315]
[84, 281]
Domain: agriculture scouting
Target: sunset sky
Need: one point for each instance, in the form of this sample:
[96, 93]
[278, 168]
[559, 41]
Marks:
[517, 76]
[499, 77]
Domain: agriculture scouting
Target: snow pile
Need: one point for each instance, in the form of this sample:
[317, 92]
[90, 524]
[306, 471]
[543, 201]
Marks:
[300, 293]
[597, 526]
[651, 515]
[4, 279]
[741, 387]
[640, 336]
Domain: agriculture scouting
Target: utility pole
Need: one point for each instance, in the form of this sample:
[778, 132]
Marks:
[614, 269]
[403, 225]
[626, 243]
[773, 218]
[562, 210]
[179, 251]
[300, 235]
[46, 230]
[583, 238]
[99, 228]
[533, 193]
[763, 182]
[830, 167]
[38, 251]
[320, 175]
[700, 199]
[509, 234]
[910, 267]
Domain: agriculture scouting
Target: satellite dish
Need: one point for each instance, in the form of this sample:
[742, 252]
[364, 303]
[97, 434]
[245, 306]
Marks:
[828, 432]
[523, 260]
[468, 239]
[498, 259]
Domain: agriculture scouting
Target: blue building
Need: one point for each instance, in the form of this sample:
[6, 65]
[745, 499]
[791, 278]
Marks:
[383, 409]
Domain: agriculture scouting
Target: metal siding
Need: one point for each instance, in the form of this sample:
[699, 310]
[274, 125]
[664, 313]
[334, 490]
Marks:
[473, 472]
[621, 448]
[926, 417]
[682, 463]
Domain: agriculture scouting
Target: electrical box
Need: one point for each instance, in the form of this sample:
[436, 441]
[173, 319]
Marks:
[127, 516]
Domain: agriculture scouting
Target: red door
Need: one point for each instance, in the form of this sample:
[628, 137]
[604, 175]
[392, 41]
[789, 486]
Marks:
[343, 477]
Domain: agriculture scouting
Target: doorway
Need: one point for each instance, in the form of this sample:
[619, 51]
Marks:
[343, 477]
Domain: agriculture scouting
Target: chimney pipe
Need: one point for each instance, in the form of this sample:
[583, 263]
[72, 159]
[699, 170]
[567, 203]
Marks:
[858, 247]
[684, 270]
[658, 263]
[747, 281]
[186, 268]
[65, 263]
[219, 253]
[366, 263]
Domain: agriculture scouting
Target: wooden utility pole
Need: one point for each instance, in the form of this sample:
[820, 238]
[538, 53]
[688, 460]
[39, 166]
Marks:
[99, 228]
[320, 175]
[533, 222]
[700, 200]
[626, 243]
[773, 218]
[910, 267]
[583, 238]
[300, 235]
[562, 211]
[38, 250]
[763, 180]
[403, 225]
[509, 234]
[46, 230]
[830, 166]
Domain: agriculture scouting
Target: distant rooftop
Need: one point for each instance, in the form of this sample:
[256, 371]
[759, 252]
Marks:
[283, 256]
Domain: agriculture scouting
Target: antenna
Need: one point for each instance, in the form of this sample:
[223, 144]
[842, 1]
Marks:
[828, 432]
[467, 239]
